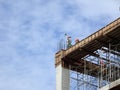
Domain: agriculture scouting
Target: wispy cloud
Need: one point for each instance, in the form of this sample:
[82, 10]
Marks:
[30, 30]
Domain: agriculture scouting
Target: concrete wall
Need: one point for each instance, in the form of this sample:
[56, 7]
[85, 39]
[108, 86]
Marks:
[62, 78]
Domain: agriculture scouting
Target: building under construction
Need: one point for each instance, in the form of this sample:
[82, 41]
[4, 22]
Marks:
[91, 64]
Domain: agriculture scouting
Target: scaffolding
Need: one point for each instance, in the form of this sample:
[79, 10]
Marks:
[94, 62]
[107, 70]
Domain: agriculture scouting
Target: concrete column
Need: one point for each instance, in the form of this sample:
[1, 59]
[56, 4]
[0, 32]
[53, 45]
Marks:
[62, 78]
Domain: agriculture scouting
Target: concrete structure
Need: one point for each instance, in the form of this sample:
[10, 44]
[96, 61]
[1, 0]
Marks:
[62, 78]
[112, 86]
[95, 61]
[62, 74]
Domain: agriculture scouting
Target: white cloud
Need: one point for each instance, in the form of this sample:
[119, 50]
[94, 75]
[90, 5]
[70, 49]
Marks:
[30, 29]
[93, 9]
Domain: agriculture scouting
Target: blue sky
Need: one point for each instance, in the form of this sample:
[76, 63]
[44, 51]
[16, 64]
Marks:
[30, 30]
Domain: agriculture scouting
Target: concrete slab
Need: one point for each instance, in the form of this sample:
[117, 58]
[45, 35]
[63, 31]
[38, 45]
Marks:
[112, 86]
